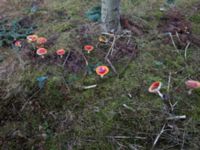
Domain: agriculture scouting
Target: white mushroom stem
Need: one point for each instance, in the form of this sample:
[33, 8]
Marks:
[42, 56]
[160, 94]
[102, 76]
[190, 91]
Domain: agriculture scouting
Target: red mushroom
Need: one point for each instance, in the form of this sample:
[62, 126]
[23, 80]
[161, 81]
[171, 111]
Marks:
[41, 40]
[18, 43]
[155, 88]
[32, 38]
[60, 52]
[192, 84]
[102, 70]
[41, 52]
[88, 48]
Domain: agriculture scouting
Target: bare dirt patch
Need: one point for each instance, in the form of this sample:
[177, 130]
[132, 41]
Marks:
[176, 24]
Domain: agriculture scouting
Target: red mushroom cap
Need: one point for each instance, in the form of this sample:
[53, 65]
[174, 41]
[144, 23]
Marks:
[102, 70]
[41, 51]
[88, 48]
[155, 87]
[60, 52]
[192, 84]
[41, 40]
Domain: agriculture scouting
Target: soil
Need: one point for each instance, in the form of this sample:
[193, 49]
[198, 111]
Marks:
[175, 22]
[134, 27]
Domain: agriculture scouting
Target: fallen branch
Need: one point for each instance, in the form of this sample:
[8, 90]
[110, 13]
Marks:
[172, 39]
[89, 87]
[67, 57]
[169, 82]
[29, 99]
[158, 136]
[186, 48]
[111, 65]
[110, 51]
[176, 117]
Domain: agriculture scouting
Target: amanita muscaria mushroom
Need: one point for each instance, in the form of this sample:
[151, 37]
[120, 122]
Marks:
[88, 48]
[60, 52]
[155, 88]
[41, 40]
[32, 38]
[102, 70]
[18, 43]
[192, 84]
[41, 52]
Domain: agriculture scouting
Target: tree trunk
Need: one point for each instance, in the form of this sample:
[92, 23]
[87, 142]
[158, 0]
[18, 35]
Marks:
[110, 15]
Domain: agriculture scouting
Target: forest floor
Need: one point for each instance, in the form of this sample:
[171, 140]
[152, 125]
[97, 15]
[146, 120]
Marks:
[118, 112]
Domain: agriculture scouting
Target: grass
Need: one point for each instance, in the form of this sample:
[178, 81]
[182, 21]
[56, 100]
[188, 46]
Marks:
[58, 118]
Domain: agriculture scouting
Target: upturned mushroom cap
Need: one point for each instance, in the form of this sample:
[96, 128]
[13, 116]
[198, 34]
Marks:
[18, 43]
[41, 40]
[88, 48]
[102, 70]
[192, 84]
[103, 39]
[32, 38]
[60, 52]
[41, 51]
[155, 87]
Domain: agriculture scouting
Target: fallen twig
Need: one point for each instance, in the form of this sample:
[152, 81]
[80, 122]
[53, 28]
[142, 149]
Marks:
[67, 57]
[176, 117]
[89, 87]
[169, 82]
[111, 65]
[170, 34]
[66, 85]
[128, 107]
[177, 35]
[186, 48]
[158, 136]
[28, 100]
[110, 51]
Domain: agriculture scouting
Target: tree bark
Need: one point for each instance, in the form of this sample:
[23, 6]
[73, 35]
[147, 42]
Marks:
[110, 15]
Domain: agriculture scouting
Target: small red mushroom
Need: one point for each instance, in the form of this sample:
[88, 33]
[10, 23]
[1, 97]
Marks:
[88, 48]
[41, 52]
[18, 43]
[60, 52]
[41, 40]
[155, 88]
[102, 70]
[192, 84]
[32, 38]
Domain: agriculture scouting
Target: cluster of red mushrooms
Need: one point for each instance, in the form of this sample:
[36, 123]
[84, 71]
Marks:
[100, 70]
[41, 51]
[156, 86]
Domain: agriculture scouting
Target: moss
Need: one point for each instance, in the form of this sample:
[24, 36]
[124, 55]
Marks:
[196, 28]
[62, 27]
[158, 14]
[195, 18]
[99, 112]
